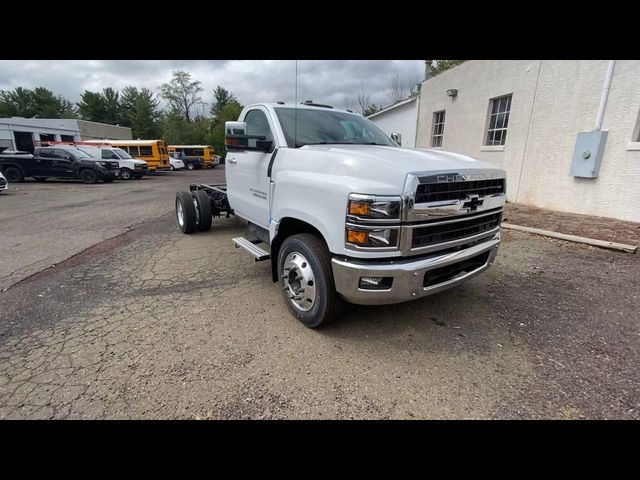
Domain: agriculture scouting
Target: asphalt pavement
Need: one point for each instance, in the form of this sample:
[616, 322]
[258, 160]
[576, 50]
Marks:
[137, 320]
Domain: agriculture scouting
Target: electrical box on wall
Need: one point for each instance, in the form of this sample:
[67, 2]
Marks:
[588, 154]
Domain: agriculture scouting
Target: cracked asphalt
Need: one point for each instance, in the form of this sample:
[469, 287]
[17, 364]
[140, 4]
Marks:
[139, 321]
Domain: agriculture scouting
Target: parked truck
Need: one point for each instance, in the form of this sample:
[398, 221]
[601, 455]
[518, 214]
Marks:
[343, 213]
[57, 162]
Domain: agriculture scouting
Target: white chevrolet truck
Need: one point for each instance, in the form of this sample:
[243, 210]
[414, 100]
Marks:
[344, 213]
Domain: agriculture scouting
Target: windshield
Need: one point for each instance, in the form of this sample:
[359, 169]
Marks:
[318, 127]
[122, 154]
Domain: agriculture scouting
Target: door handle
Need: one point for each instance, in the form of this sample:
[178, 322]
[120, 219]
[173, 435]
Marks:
[233, 160]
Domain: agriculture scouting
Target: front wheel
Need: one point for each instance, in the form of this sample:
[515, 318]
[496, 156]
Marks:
[88, 176]
[306, 279]
[13, 175]
[126, 174]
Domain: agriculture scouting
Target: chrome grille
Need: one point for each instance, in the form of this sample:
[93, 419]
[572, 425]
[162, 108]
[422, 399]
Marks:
[435, 192]
[447, 231]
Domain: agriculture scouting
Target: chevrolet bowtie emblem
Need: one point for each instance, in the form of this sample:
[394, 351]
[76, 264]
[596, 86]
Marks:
[472, 203]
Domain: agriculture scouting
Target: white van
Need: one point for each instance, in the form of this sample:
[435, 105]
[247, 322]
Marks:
[130, 167]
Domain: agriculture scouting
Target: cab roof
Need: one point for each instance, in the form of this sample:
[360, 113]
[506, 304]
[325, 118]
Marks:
[306, 106]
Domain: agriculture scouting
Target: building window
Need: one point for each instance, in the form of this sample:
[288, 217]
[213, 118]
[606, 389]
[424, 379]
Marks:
[499, 109]
[438, 128]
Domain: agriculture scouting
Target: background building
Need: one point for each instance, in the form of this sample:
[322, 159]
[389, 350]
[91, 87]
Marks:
[399, 118]
[525, 117]
[19, 133]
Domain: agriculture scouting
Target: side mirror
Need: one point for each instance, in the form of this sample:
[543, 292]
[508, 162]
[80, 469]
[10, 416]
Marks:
[397, 137]
[236, 138]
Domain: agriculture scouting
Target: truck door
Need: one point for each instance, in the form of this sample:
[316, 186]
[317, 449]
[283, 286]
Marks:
[246, 172]
[62, 165]
[43, 163]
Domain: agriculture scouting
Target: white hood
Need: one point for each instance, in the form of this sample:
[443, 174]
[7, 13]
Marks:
[390, 165]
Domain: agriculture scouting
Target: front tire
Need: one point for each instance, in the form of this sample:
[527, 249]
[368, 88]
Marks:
[306, 280]
[185, 212]
[88, 176]
[126, 174]
[13, 175]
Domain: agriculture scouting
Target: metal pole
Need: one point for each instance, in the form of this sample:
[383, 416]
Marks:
[605, 94]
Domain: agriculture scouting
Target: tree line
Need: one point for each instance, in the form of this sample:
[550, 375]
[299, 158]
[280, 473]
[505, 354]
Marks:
[181, 122]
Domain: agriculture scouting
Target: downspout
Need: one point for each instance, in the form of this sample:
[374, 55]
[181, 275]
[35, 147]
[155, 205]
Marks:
[605, 95]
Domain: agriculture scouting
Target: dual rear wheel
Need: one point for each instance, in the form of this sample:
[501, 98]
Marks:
[193, 211]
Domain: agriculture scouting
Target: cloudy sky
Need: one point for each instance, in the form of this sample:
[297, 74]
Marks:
[324, 81]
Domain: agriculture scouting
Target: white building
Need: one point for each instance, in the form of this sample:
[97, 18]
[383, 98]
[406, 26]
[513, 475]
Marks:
[18, 133]
[525, 117]
[399, 118]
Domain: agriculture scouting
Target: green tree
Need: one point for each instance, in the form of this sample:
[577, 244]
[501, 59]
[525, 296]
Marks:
[172, 126]
[229, 113]
[103, 107]
[112, 106]
[222, 97]
[92, 107]
[182, 94]
[371, 109]
[139, 111]
[442, 65]
[39, 102]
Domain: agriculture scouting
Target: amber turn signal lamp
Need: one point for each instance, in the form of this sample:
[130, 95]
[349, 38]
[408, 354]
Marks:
[359, 208]
[356, 237]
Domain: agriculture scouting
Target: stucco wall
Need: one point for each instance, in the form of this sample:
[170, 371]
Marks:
[401, 119]
[552, 101]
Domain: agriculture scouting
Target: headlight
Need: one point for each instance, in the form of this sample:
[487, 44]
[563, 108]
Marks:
[371, 207]
[357, 236]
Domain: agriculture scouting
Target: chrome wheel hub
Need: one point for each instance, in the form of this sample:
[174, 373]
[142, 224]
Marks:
[299, 281]
[180, 214]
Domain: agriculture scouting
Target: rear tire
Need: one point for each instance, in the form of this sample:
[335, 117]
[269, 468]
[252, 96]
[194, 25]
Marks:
[204, 216]
[88, 176]
[316, 273]
[13, 175]
[185, 212]
[191, 166]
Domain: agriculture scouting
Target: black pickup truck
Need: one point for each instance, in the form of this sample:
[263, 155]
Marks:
[57, 162]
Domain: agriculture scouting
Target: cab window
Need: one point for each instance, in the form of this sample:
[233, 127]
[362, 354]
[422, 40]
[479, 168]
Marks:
[109, 155]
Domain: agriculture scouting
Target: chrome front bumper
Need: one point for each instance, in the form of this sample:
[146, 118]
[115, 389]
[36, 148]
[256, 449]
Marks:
[408, 274]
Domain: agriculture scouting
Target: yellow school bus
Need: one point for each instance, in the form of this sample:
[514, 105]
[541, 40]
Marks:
[203, 152]
[154, 152]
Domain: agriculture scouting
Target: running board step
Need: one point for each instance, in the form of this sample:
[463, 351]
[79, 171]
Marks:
[252, 248]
